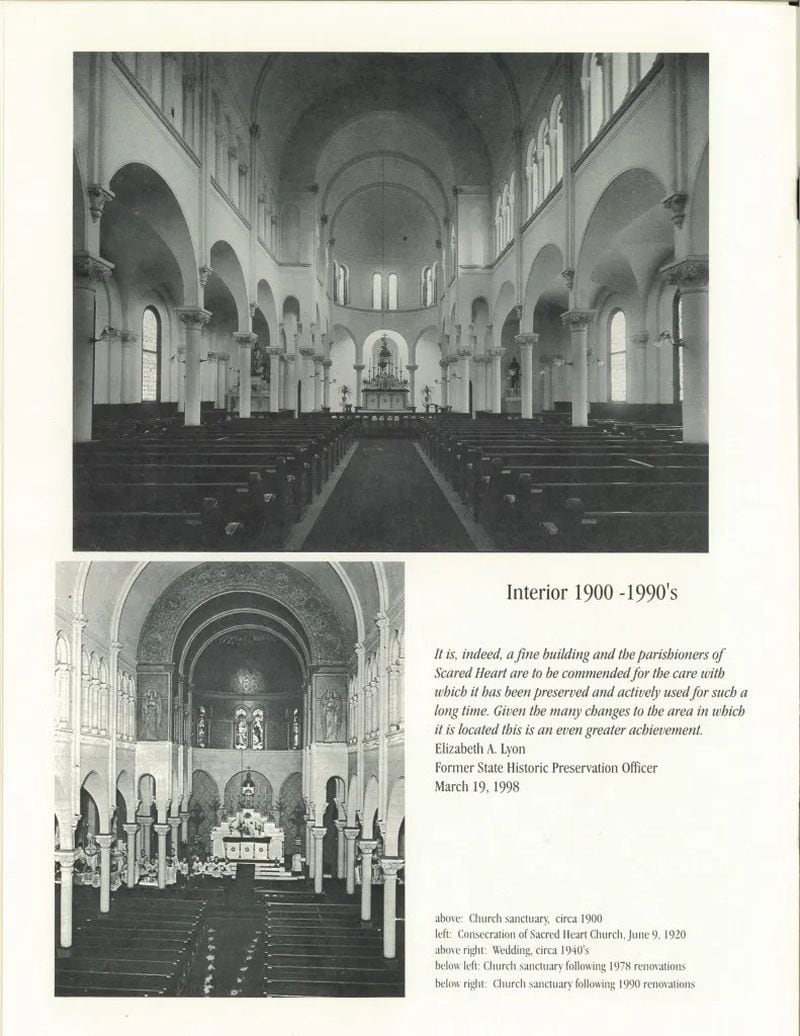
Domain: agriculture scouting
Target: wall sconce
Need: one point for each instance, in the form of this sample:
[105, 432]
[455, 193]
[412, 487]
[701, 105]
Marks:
[107, 332]
[665, 336]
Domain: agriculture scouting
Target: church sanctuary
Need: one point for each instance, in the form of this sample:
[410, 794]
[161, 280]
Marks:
[390, 302]
[229, 779]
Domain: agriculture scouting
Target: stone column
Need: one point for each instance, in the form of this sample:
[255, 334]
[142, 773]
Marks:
[184, 815]
[146, 824]
[105, 842]
[132, 862]
[412, 369]
[309, 848]
[66, 860]
[367, 847]
[274, 379]
[690, 274]
[326, 365]
[390, 867]
[180, 367]
[290, 382]
[175, 823]
[526, 343]
[89, 270]
[318, 834]
[245, 340]
[307, 374]
[162, 830]
[340, 847]
[640, 341]
[444, 366]
[350, 835]
[578, 320]
[194, 320]
[318, 359]
[358, 368]
[220, 378]
[497, 380]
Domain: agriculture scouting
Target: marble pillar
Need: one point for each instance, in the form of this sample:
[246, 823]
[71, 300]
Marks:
[105, 842]
[318, 834]
[194, 319]
[367, 847]
[350, 835]
[497, 380]
[161, 831]
[578, 321]
[245, 341]
[174, 825]
[146, 824]
[89, 271]
[340, 826]
[359, 369]
[274, 380]
[412, 369]
[690, 274]
[131, 863]
[326, 384]
[526, 343]
[66, 860]
[390, 867]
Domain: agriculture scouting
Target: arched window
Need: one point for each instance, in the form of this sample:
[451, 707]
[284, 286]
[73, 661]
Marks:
[341, 284]
[63, 697]
[201, 737]
[545, 158]
[677, 347]
[498, 224]
[618, 357]
[392, 291]
[258, 738]
[557, 139]
[240, 729]
[512, 206]
[428, 287]
[377, 291]
[506, 217]
[532, 178]
[619, 79]
[151, 354]
[595, 98]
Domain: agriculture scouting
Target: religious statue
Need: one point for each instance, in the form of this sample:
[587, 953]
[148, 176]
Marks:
[151, 715]
[294, 730]
[427, 396]
[257, 362]
[240, 739]
[333, 715]
[513, 374]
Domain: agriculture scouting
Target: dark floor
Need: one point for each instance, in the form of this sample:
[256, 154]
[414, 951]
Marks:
[387, 500]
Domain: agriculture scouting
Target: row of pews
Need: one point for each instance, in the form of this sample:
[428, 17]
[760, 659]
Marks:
[317, 947]
[236, 486]
[143, 947]
[551, 487]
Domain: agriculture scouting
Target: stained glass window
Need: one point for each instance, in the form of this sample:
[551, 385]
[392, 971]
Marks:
[240, 729]
[202, 728]
[151, 334]
[258, 730]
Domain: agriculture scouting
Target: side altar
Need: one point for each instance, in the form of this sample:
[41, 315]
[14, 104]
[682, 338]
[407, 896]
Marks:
[259, 397]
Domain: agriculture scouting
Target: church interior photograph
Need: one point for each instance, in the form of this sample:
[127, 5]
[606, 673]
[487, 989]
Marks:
[229, 779]
[390, 302]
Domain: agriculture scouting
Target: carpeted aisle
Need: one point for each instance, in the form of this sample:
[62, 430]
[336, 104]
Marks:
[386, 499]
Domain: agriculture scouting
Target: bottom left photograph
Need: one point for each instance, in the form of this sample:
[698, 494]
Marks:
[229, 779]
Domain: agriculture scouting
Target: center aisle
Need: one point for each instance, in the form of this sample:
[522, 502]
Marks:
[387, 499]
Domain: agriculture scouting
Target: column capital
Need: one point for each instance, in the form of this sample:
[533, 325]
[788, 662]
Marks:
[193, 317]
[204, 272]
[162, 830]
[326, 363]
[391, 865]
[145, 821]
[104, 841]
[689, 273]
[443, 363]
[98, 196]
[275, 350]
[569, 277]
[91, 269]
[318, 357]
[368, 846]
[351, 833]
[289, 357]
[496, 352]
[412, 366]
[79, 622]
[340, 825]
[306, 350]
[244, 339]
[174, 822]
[577, 319]
[66, 858]
[184, 814]
[359, 366]
[116, 646]
[233, 151]
[130, 829]
[526, 340]
[641, 338]
[318, 832]
[382, 620]
[675, 204]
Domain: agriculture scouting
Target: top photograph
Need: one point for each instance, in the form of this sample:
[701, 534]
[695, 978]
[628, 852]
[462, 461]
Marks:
[380, 302]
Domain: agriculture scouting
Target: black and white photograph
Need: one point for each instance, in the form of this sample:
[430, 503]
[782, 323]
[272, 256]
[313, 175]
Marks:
[377, 301]
[229, 779]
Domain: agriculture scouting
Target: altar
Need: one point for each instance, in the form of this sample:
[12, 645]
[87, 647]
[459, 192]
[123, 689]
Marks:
[247, 837]
[259, 397]
[384, 390]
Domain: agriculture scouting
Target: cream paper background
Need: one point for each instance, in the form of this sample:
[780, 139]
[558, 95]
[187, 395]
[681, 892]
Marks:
[709, 842]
